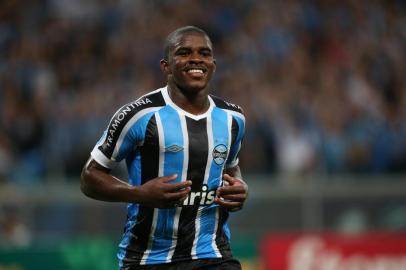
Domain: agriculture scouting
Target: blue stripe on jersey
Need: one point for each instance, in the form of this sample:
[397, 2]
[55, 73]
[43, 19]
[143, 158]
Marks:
[134, 174]
[220, 136]
[173, 163]
[132, 213]
[221, 131]
[207, 221]
[134, 171]
[226, 230]
[135, 133]
[233, 153]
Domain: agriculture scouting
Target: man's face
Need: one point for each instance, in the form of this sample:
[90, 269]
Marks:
[190, 62]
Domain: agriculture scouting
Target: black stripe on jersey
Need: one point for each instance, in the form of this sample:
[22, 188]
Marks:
[150, 152]
[150, 166]
[198, 153]
[221, 238]
[123, 115]
[226, 105]
[139, 236]
[234, 131]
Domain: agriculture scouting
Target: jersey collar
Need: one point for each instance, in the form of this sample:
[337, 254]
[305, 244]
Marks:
[169, 102]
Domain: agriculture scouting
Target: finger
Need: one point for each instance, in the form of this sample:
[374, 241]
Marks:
[227, 204]
[232, 181]
[179, 195]
[231, 208]
[235, 197]
[235, 209]
[229, 179]
[168, 178]
[178, 186]
[231, 190]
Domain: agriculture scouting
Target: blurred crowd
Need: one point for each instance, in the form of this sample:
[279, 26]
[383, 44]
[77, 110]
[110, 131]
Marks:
[321, 82]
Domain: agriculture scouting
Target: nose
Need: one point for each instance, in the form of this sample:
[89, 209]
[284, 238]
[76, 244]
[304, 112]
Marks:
[195, 57]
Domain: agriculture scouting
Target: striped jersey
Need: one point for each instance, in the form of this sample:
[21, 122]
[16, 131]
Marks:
[157, 138]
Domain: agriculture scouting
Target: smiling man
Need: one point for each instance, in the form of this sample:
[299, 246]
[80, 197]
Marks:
[181, 148]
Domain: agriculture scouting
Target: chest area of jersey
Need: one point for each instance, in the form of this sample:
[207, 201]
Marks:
[198, 142]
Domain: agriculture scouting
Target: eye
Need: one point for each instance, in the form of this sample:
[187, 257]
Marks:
[182, 52]
[206, 52]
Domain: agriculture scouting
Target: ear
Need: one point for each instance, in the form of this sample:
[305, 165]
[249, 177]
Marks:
[165, 67]
[215, 65]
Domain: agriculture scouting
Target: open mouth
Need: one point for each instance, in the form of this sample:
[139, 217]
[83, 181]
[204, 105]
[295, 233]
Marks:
[196, 71]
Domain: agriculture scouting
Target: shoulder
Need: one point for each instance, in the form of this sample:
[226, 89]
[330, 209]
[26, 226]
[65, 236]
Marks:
[150, 100]
[226, 105]
[147, 103]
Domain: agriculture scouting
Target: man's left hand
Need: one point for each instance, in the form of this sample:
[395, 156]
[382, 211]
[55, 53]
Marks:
[233, 194]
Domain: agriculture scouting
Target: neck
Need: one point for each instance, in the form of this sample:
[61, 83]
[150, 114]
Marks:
[194, 102]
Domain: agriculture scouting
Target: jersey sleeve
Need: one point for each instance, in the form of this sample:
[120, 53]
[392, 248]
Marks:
[238, 131]
[124, 133]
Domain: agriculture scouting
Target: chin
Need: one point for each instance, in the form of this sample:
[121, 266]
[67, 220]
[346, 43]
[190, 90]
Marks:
[193, 87]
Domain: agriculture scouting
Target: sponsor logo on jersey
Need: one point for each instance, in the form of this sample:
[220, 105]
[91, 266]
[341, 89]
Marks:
[220, 154]
[116, 122]
[233, 105]
[200, 198]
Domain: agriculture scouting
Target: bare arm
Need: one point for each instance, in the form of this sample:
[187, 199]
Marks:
[233, 195]
[99, 184]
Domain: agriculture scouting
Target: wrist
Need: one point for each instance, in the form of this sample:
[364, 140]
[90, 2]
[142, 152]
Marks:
[133, 194]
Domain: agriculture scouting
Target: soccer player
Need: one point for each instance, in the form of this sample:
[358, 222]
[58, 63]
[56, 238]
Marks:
[181, 148]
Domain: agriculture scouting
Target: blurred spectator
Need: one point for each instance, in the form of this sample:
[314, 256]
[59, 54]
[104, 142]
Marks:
[320, 81]
[13, 232]
[6, 158]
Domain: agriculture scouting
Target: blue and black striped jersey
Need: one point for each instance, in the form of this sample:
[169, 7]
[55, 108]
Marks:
[157, 138]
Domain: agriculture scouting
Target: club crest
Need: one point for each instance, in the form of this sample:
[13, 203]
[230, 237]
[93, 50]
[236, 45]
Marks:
[220, 154]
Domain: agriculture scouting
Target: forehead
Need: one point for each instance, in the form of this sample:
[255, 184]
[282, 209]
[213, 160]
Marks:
[192, 39]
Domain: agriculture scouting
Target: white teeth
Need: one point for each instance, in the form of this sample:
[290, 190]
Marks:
[195, 71]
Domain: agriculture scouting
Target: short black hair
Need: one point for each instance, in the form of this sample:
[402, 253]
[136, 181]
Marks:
[171, 38]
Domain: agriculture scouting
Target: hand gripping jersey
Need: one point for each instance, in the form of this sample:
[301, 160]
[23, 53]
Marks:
[157, 138]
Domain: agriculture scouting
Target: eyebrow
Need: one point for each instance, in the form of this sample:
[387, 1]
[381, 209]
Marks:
[205, 48]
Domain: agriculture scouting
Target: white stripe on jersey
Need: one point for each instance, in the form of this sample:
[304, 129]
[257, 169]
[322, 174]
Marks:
[197, 232]
[161, 140]
[210, 149]
[213, 242]
[209, 163]
[237, 114]
[151, 237]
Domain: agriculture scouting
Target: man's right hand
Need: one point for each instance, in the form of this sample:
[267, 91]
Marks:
[160, 193]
